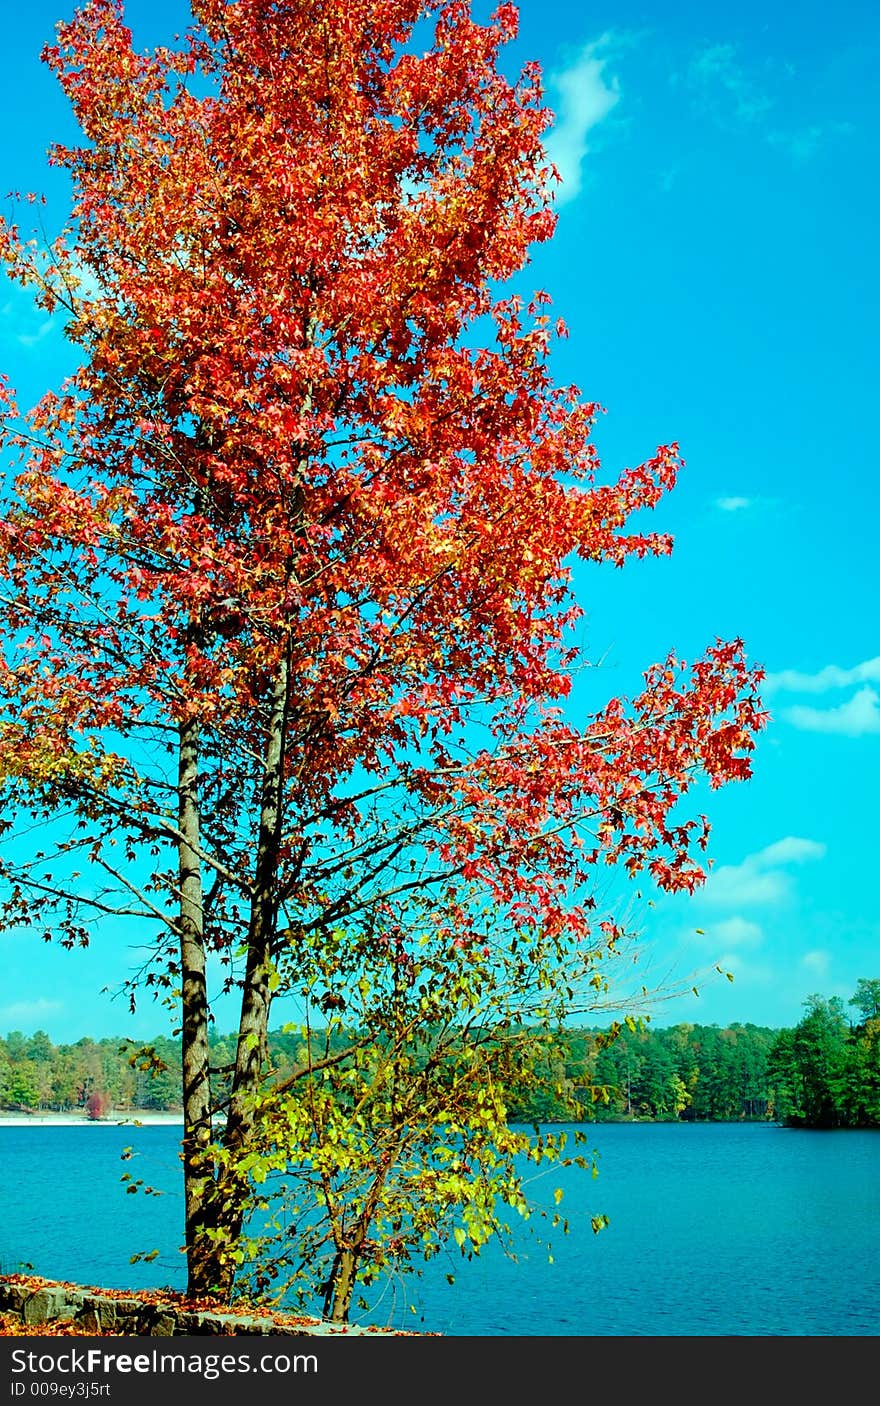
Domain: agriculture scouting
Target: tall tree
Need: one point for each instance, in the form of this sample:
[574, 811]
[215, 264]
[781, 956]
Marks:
[286, 607]
[808, 1066]
[866, 998]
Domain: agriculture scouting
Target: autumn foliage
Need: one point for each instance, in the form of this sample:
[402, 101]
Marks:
[286, 618]
[96, 1107]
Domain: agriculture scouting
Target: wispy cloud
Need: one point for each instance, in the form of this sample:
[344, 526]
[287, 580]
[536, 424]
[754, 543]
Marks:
[24, 324]
[586, 95]
[733, 505]
[858, 717]
[722, 85]
[803, 144]
[829, 677]
[736, 95]
[817, 962]
[33, 339]
[741, 884]
[761, 878]
[737, 932]
[28, 1012]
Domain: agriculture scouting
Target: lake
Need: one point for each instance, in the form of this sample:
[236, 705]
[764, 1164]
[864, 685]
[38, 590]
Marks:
[715, 1230]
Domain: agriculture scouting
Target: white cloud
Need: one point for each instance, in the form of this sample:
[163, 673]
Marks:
[855, 718]
[791, 850]
[737, 932]
[33, 339]
[760, 878]
[25, 323]
[27, 1012]
[585, 99]
[732, 505]
[817, 962]
[740, 884]
[22, 322]
[829, 677]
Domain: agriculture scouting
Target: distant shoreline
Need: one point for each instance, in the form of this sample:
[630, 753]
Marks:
[132, 1118]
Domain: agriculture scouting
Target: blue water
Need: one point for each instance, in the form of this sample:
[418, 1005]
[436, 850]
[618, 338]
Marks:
[715, 1230]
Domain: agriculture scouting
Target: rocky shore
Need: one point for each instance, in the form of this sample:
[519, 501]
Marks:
[41, 1305]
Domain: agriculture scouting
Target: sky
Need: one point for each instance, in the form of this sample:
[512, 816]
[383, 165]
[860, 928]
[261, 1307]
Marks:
[715, 262]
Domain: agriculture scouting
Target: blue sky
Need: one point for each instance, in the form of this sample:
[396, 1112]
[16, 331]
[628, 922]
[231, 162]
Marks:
[715, 261]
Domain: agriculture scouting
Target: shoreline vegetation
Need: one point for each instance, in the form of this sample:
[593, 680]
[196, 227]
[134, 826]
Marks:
[78, 1118]
[823, 1073]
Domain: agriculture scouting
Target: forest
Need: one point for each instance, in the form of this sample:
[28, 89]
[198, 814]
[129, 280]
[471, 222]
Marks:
[822, 1073]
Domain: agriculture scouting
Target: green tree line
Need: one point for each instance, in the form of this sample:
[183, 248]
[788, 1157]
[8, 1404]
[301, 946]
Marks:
[823, 1073]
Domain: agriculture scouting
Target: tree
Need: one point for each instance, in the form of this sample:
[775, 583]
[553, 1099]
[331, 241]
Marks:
[809, 1066]
[287, 614]
[395, 1116]
[866, 998]
[863, 1071]
[96, 1106]
[40, 1047]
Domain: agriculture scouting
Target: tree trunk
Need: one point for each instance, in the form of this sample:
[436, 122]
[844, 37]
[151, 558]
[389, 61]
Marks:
[340, 1288]
[224, 1215]
[197, 1167]
[340, 1285]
